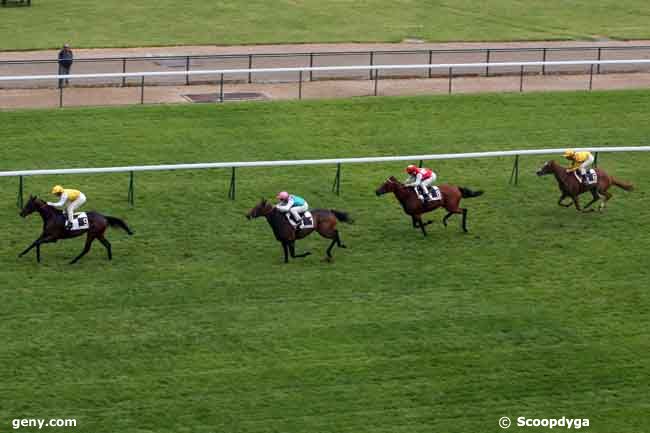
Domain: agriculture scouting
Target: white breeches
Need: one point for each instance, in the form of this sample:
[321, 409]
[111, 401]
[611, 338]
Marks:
[297, 210]
[426, 183]
[74, 205]
[585, 165]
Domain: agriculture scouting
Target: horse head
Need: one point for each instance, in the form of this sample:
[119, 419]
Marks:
[263, 208]
[32, 205]
[547, 168]
[390, 185]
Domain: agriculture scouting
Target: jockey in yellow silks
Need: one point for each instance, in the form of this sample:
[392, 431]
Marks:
[70, 199]
[580, 161]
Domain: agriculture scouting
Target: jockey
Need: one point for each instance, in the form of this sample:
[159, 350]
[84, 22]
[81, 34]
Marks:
[71, 199]
[421, 179]
[293, 204]
[580, 161]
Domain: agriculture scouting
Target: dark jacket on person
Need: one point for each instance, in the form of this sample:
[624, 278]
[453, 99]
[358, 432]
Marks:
[65, 57]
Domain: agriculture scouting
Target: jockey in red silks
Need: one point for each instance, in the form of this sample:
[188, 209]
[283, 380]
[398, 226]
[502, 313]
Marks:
[421, 179]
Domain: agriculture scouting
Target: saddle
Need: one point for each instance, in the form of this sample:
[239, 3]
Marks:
[306, 221]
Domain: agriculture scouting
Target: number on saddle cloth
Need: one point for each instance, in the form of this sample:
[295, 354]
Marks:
[79, 222]
[591, 177]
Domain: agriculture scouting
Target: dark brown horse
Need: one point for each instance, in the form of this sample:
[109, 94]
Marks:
[324, 223]
[414, 207]
[571, 187]
[54, 228]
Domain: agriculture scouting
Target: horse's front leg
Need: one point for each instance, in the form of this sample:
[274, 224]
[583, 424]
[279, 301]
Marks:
[89, 242]
[421, 224]
[29, 248]
[285, 248]
[559, 202]
[576, 202]
[292, 249]
[595, 198]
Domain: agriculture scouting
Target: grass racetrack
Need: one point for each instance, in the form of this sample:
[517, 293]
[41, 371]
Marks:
[114, 23]
[197, 326]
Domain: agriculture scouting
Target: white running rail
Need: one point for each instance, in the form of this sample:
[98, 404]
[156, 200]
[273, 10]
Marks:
[446, 66]
[139, 168]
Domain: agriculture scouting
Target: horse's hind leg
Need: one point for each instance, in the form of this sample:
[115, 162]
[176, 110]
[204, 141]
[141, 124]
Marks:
[444, 220]
[329, 249]
[603, 204]
[464, 219]
[89, 242]
[107, 245]
[338, 240]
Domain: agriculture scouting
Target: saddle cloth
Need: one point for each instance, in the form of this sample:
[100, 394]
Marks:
[435, 194]
[80, 222]
[590, 177]
[306, 220]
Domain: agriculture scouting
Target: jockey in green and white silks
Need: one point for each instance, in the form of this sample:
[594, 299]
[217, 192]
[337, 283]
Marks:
[293, 204]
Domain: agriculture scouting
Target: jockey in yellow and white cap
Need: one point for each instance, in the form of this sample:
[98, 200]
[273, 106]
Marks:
[70, 199]
[580, 161]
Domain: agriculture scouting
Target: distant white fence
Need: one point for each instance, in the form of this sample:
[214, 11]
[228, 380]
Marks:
[447, 66]
[302, 162]
[222, 73]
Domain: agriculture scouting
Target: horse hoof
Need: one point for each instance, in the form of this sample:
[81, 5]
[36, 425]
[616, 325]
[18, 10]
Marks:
[343, 246]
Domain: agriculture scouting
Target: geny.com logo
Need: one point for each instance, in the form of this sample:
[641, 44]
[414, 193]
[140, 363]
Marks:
[40, 423]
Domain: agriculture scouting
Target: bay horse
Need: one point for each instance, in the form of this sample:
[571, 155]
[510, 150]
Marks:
[54, 228]
[414, 207]
[571, 187]
[324, 223]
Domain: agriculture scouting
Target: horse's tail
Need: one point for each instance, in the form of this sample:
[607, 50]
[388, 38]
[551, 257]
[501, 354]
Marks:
[625, 185]
[344, 217]
[116, 222]
[468, 193]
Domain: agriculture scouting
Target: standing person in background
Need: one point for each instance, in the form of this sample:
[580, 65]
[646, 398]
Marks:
[65, 63]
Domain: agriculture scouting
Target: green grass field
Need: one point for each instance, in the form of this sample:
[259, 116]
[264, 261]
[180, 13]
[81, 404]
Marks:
[197, 326]
[113, 23]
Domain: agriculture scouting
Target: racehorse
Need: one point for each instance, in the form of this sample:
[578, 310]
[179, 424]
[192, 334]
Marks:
[414, 207]
[54, 228]
[324, 223]
[571, 187]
